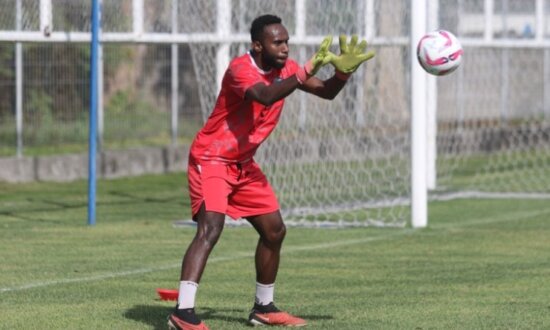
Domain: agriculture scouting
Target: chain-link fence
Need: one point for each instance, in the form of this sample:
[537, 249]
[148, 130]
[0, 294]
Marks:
[137, 79]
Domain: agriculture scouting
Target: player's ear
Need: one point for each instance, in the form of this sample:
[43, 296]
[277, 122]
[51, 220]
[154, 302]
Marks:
[257, 46]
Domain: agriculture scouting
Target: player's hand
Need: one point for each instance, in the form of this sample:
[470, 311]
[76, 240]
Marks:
[351, 56]
[320, 58]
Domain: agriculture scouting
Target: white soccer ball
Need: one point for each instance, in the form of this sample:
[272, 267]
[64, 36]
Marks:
[439, 52]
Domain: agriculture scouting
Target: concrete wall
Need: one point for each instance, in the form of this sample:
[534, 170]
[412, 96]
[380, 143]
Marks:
[110, 164]
[475, 137]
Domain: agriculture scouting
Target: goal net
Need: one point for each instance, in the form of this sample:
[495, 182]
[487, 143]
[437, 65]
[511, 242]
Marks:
[344, 161]
[347, 162]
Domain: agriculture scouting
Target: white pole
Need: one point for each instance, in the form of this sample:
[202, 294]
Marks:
[370, 20]
[539, 36]
[137, 10]
[46, 17]
[300, 35]
[460, 104]
[300, 19]
[433, 9]
[505, 67]
[100, 83]
[359, 98]
[223, 30]
[419, 194]
[175, 78]
[19, 82]
[100, 108]
[539, 13]
[488, 13]
[546, 84]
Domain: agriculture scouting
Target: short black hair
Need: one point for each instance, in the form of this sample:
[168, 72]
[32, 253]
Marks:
[260, 23]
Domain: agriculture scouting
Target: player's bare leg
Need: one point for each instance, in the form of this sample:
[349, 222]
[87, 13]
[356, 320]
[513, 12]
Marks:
[209, 228]
[272, 232]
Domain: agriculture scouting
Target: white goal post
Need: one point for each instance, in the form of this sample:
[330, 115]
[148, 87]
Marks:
[395, 137]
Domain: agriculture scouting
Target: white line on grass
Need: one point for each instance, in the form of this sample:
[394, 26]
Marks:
[211, 260]
[289, 249]
[485, 221]
[88, 278]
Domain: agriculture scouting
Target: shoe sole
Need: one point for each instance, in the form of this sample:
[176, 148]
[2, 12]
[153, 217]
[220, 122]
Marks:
[257, 323]
[171, 326]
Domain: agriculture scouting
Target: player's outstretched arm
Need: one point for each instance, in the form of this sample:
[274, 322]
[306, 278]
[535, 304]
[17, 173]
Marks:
[268, 95]
[319, 59]
[351, 56]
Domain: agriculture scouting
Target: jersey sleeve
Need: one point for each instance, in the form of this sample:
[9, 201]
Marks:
[241, 76]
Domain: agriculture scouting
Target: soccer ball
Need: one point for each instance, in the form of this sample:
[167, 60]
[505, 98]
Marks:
[439, 52]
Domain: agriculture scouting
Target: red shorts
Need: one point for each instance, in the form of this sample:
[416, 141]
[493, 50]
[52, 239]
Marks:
[238, 190]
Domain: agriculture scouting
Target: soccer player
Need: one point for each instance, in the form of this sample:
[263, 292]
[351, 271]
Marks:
[223, 177]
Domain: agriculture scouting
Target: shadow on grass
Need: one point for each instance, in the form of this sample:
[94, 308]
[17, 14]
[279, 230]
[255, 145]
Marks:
[157, 316]
[32, 213]
[154, 316]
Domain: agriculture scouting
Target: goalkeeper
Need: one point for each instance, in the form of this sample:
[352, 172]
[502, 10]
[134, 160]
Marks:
[223, 177]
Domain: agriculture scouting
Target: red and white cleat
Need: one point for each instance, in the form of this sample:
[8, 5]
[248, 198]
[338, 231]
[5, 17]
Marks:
[176, 323]
[275, 317]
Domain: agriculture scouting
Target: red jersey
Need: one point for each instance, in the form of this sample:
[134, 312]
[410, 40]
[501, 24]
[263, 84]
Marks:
[237, 126]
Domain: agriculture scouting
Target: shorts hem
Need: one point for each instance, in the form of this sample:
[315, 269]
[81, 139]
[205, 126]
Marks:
[256, 213]
[195, 213]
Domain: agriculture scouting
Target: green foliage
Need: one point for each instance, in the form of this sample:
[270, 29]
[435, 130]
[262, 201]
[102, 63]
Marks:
[132, 117]
[7, 81]
[65, 19]
[43, 127]
[63, 78]
[6, 59]
[116, 55]
[39, 106]
[127, 102]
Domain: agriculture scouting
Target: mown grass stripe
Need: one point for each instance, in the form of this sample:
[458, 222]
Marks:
[515, 216]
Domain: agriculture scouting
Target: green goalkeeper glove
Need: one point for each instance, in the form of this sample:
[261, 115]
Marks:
[318, 60]
[351, 55]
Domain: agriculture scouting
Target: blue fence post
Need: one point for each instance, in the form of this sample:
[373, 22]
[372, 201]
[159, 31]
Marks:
[92, 143]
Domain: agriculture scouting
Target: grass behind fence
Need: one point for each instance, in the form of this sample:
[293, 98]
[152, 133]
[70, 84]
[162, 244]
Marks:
[140, 129]
[481, 264]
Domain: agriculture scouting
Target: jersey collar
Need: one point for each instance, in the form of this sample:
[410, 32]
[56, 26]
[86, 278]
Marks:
[256, 66]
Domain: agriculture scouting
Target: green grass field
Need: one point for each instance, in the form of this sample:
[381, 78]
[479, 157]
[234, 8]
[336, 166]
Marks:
[481, 264]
